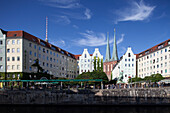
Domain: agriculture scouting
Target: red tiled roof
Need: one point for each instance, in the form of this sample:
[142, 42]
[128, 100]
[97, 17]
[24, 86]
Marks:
[37, 40]
[152, 49]
[77, 56]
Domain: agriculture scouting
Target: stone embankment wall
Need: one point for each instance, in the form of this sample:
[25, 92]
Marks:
[152, 96]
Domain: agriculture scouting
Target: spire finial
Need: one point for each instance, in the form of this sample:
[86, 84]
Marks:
[46, 39]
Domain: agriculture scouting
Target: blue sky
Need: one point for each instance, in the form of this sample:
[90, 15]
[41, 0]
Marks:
[77, 24]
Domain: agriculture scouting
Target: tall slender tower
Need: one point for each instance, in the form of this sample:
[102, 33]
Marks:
[114, 54]
[46, 39]
[107, 59]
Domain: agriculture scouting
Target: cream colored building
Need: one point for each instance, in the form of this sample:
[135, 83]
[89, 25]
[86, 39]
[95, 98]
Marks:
[22, 49]
[154, 60]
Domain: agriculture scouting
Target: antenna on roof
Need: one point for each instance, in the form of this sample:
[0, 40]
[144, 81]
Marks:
[46, 39]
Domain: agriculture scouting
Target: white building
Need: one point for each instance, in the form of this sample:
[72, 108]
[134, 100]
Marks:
[154, 60]
[127, 65]
[85, 60]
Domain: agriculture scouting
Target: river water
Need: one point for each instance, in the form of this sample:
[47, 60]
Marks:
[84, 109]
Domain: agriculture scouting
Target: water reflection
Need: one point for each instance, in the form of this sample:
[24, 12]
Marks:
[84, 109]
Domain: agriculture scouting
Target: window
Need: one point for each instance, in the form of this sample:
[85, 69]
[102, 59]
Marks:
[35, 54]
[125, 65]
[47, 51]
[39, 48]
[165, 50]
[13, 50]
[13, 58]
[30, 44]
[8, 67]
[18, 41]
[18, 50]
[44, 50]
[8, 50]
[0, 58]
[35, 46]
[157, 66]
[54, 54]
[129, 59]
[1, 42]
[13, 41]
[13, 76]
[30, 68]
[165, 56]
[129, 65]
[50, 52]
[47, 64]
[125, 59]
[30, 52]
[132, 59]
[39, 55]
[1, 66]
[30, 60]
[47, 57]
[18, 67]
[132, 65]
[85, 56]
[8, 42]
[18, 58]
[13, 67]
[129, 55]
[165, 70]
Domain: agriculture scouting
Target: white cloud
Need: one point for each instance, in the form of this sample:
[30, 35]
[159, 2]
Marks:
[87, 13]
[120, 40]
[59, 43]
[75, 26]
[92, 39]
[66, 4]
[73, 9]
[62, 20]
[137, 12]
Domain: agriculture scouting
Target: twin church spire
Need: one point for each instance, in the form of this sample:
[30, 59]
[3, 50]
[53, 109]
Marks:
[114, 54]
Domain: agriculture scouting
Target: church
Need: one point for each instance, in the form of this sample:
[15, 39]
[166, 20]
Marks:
[109, 61]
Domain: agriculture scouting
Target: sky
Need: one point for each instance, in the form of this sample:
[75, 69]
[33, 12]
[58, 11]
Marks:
[77, 24]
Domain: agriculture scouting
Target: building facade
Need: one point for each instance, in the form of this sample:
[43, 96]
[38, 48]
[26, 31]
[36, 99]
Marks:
[23, 49]
[85, 60]
[109, 62]
[154, 60]
[126, 65]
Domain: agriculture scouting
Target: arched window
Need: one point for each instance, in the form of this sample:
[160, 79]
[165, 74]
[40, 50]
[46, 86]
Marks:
[85, 56]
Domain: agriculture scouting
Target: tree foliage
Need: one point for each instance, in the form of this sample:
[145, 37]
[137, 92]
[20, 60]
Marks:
[101, 65]
[153, 78]
[98, 64]
[93, 75]
[94, 63]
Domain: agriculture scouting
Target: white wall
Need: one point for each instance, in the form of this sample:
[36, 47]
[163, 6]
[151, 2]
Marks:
[127, 64]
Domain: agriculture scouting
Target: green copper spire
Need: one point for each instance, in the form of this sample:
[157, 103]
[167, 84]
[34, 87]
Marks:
[107, 49]
[114, 56]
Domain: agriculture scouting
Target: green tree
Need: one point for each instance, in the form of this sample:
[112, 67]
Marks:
[98, 64]
[93, 75]
[94, 63]
[101, 65]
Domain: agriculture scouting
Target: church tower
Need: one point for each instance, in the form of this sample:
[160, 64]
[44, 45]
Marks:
[114, 54]
[107, 59]
[109, 62]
